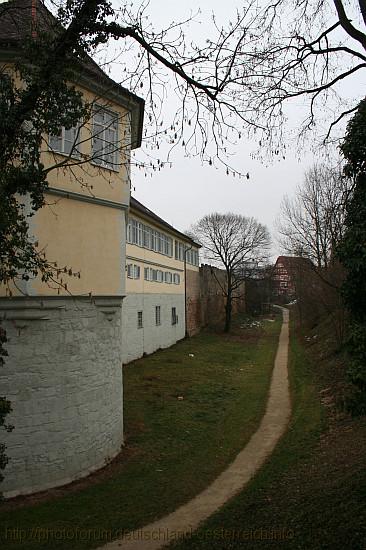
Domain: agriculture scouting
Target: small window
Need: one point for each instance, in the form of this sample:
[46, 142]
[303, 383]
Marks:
[147, 274]
[130, 271]
[157, 316]
[139, 319]
[160, 276]
[174, 316]
[168, 277]
[176, 279]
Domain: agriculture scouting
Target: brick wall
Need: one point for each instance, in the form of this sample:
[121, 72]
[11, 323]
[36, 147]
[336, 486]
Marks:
[212, 280]
[193, 302]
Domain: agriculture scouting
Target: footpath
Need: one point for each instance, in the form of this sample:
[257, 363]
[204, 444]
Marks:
[188, 517]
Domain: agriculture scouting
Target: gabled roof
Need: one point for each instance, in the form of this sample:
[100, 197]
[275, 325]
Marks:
[16, 24]
[150, 215]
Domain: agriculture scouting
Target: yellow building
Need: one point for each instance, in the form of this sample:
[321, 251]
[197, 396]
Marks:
[63, 374]
[159, 262]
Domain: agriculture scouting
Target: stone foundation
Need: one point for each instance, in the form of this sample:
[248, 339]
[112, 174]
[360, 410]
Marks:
[63, 376]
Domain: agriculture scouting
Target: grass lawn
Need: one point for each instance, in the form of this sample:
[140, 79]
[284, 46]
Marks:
[311, 494]
[186, 417]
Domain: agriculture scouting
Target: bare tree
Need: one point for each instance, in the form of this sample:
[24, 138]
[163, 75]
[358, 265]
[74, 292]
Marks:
[312, 223]
[238, 80]
[243, 76]
[231, 240]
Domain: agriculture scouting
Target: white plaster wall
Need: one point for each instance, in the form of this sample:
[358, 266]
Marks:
[64, 379]
[137, 341]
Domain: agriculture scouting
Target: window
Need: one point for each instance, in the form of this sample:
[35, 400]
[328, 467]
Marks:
[133, 271]
[168, 277]
[155, 244]
[157, 316]
[66, 141]
[147, 237]
[147, 274]
[139, 319]
[105, 138]
[192, 256]
[174, 316]
[176, 279]
[160, 276]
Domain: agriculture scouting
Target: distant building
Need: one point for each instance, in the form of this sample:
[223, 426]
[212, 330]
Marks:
[286, 273]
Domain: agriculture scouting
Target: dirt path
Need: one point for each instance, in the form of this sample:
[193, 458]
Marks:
[188, 517]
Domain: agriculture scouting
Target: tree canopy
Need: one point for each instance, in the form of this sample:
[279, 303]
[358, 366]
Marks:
[352, 252]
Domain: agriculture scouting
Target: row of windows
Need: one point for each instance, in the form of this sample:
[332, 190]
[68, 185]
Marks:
[154, 275]
[147, 237]
[181, 249]
[140, 317]
[104, 142]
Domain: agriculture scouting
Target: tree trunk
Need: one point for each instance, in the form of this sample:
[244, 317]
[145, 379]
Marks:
[228, 307]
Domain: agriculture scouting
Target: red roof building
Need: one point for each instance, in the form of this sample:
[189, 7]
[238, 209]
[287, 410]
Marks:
[286, 272]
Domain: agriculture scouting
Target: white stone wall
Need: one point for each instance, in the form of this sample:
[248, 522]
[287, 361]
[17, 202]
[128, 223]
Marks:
[64, 379]
[137, 341]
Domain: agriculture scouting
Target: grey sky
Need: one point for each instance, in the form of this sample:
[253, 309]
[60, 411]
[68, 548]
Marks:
[187, 190]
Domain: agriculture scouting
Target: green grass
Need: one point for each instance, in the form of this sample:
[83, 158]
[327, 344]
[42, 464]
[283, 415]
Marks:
[175, 447]
[311, 492]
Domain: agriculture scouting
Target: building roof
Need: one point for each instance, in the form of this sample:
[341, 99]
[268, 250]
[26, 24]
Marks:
[149, 214]
[16, 24]
[294, 262]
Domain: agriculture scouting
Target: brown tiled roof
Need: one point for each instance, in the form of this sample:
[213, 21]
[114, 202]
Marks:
[16, 20]
[147, 213]
[16, 26]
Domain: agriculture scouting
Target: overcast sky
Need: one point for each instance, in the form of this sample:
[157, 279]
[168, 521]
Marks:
[187, 191]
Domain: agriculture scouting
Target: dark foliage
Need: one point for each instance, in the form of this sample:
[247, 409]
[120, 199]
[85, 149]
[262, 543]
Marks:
[352, 253]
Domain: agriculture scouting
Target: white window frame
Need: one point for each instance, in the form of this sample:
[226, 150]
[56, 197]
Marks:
[133, 271]
[74, 151]
[99, 156]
